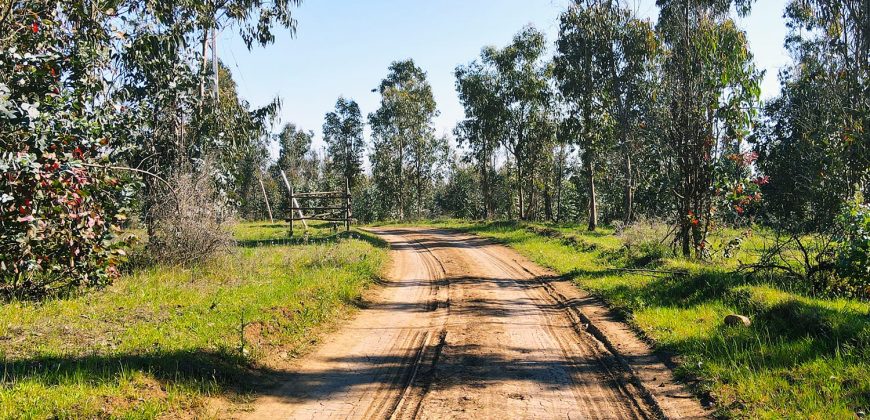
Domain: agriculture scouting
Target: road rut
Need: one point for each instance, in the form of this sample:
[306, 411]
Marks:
[465, 328]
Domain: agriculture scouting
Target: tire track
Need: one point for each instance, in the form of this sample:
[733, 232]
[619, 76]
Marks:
[365, 369]
[465, 329]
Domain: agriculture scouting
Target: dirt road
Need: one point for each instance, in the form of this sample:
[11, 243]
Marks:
[464, 328]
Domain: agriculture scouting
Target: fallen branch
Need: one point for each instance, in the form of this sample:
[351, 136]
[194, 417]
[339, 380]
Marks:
[651, 271]
[125, 168]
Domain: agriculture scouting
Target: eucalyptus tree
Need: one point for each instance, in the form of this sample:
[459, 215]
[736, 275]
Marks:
[294, 145]
[256, 21]
[237, 134]
[521, 77]
[297, 160]
[711, 86]
[405, 146]
[483, 127]
[604, 69]
[814, 151]
[343, 134]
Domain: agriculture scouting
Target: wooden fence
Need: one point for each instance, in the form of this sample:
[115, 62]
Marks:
[330, 206]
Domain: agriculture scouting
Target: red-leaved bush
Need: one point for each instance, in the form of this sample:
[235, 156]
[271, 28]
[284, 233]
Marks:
[60, 210]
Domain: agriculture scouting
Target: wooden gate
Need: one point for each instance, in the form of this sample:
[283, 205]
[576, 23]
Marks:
[331, 206]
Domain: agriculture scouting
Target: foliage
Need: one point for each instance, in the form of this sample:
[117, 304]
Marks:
[459, 196]
[644, 242]
[93, 93]
[343, 134]
[406, 153]
[294, 150]
[853, 249]
[60, 209]
[814, 147]
[298, 162]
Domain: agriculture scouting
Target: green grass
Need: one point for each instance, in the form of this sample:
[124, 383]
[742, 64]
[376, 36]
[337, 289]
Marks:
[160, 340]
[802, 357]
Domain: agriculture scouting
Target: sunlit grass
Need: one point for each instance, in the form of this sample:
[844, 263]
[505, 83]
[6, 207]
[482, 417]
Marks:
[160, 339]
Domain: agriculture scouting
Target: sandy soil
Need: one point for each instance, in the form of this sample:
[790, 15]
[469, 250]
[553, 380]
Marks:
[464, 328]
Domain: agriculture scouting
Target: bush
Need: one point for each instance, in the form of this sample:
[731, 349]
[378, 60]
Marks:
[61, 212]
[853, 249]
[190, 224]
[644, 243]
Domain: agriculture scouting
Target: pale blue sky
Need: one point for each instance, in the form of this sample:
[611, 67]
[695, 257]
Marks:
[343, 47]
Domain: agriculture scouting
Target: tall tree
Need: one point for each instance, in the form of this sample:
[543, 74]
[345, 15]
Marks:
[604, 70]
[482, 129]
[294, 145]
[405, 146]
[815, 146]
[522, 89]
[343, 134]
[711, 86]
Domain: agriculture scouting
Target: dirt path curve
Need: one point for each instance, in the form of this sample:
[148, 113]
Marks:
[464, 328]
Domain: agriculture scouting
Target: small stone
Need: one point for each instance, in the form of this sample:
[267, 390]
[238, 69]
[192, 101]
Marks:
[735, 319]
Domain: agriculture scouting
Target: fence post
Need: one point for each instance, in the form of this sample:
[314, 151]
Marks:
[265, 197]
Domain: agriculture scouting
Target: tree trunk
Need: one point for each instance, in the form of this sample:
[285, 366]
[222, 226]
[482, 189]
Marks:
[204, 42]
[559, 183]
[548, 203]
[484, 183]
[510, 207]
[421, 186]
[593, 199]
[629, 190]
[521, 202]
[401, 180]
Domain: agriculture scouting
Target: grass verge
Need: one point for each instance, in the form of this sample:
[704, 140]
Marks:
[802, 357]
[161, 339]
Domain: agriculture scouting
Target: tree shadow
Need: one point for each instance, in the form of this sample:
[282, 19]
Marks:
[196, 368]
[318, 239]
[786, 336]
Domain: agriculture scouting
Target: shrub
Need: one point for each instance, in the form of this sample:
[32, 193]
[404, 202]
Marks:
[853, 249]
[190, 224]
[644, 243]
[60, 210]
